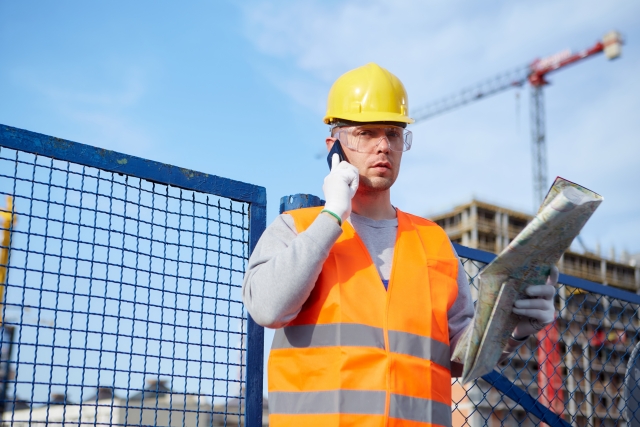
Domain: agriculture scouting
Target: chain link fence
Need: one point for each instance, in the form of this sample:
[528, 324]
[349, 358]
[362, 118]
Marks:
[122, 301]
[576, 367]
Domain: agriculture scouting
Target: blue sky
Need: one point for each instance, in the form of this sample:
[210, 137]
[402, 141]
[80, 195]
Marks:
[238, 89]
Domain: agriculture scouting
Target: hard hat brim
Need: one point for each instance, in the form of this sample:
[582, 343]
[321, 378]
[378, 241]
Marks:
[370, 117]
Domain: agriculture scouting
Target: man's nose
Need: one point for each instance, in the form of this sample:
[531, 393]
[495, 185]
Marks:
[383, 145]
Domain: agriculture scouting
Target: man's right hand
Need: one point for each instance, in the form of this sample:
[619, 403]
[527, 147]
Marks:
[340, 186]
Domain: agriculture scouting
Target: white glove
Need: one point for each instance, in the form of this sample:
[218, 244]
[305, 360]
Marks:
[538, 311]
[340, 186]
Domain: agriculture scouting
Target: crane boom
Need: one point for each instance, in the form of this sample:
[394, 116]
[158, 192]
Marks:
[535, 74]
[497, 84]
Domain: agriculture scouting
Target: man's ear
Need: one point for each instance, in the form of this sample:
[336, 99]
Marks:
[330, 141]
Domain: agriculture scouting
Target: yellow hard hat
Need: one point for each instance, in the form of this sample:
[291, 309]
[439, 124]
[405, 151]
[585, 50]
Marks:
[368, 94]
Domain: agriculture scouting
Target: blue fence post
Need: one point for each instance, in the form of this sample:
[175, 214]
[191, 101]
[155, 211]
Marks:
[255, 334]
[298, 201]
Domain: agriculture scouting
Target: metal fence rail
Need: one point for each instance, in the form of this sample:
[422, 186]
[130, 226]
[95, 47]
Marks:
[122, 300]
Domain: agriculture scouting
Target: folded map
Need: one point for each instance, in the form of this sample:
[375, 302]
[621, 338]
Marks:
[526, 261]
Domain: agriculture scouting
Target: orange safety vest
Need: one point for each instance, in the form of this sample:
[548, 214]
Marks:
[360, 355]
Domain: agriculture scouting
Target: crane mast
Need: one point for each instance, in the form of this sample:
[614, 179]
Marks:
[533, 73]
[538, 145]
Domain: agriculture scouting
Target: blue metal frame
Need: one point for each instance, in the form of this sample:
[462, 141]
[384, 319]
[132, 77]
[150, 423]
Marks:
[524, 399]
[298, 201]
[474, 254]
[255, 334]
[111, 161]
[575, 282]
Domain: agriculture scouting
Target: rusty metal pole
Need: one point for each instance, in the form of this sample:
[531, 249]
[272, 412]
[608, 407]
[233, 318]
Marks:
[8, 221]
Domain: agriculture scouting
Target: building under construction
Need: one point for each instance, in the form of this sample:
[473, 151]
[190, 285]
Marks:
[577, 366]
[490, 228]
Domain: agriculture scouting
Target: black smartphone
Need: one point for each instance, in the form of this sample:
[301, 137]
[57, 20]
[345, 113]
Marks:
[337, 148]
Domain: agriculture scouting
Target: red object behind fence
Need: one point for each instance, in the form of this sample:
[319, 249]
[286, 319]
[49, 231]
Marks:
[550, 371]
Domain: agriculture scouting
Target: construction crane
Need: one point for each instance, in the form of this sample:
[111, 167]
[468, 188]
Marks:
[535, 73]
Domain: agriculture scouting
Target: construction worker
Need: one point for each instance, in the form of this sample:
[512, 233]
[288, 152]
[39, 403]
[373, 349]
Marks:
[368, 301]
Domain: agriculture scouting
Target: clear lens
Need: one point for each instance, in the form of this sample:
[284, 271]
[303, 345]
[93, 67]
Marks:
[366, 139]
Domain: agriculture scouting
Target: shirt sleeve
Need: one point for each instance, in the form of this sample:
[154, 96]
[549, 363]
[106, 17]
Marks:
[284, 268]
[461, 312]
[460, 315]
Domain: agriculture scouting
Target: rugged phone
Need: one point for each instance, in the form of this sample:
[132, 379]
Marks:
[337, 148]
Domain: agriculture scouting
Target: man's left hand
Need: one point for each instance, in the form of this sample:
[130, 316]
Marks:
[538, 310]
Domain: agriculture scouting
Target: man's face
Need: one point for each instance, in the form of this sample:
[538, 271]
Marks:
[368, 148]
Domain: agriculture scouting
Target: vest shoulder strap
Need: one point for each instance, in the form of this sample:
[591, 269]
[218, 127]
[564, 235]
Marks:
[419, 221]
[439, 243]
[303, 218]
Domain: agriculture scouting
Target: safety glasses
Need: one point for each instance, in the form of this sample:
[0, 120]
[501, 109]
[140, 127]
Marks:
[367, 138]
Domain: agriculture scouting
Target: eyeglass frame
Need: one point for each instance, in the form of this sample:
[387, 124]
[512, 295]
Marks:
[407, 136]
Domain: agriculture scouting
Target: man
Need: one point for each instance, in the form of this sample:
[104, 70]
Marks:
[368, 301]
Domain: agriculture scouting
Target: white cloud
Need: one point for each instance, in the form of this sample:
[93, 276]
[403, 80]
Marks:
[439, 47]
[95, 113]
[111, 131]
[120, 86]
[427, 44]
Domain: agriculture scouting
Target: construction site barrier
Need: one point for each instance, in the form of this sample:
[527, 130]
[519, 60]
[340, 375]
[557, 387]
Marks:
[122, 292]
[122, 304]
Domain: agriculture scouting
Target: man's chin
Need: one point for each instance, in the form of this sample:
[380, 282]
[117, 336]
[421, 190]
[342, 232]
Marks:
[375, 184]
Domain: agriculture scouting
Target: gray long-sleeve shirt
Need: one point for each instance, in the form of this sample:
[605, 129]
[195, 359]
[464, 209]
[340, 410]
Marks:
[285, 266]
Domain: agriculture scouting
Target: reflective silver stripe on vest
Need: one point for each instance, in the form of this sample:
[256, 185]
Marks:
[327, 402]
[328, 335]
[356, 335]
[418, 346]
[418, 409]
